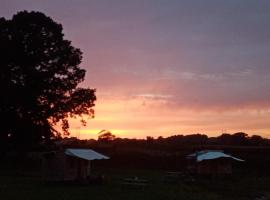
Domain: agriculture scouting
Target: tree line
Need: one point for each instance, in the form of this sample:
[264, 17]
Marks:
[177, 140]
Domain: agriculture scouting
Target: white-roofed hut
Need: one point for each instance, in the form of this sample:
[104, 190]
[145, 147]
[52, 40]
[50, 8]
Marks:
[211, 162]
[69, 164]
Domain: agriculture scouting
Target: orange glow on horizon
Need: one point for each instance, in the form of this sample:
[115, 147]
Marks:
[138, 118]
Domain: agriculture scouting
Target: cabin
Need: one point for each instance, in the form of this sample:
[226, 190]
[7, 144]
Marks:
[69, 164]
[210, 162]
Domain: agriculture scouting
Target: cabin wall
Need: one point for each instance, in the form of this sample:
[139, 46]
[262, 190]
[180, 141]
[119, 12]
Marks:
[216, 166]
[83, 169]
[53, 167]
[70, 168]
[60, 167]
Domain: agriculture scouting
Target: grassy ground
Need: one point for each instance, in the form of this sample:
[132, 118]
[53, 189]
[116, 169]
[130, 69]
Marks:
[16, 185]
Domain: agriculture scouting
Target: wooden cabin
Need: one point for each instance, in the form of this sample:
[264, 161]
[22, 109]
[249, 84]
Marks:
[69, 164]
[210, 162]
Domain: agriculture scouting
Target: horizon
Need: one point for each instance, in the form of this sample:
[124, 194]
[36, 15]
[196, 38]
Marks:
[165, 67]
[85, 136]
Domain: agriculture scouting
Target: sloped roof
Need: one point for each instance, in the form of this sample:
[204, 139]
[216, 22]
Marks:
[87, 154]
[210, 155]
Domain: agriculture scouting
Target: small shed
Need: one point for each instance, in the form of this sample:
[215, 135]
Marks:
[69, 164]
[210, 162]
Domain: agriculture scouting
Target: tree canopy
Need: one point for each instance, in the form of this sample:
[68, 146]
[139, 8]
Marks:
[106, 136]
[39, 77]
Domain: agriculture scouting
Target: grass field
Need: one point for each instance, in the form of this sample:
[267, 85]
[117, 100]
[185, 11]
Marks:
[18, 185]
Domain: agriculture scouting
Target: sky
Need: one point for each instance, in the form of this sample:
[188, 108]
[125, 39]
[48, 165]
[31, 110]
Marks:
[165, 67]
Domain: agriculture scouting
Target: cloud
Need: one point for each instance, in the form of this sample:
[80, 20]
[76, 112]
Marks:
[154, 96]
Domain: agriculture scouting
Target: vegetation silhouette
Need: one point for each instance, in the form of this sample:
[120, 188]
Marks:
[105, 136]
[174, 142]
[39, 77]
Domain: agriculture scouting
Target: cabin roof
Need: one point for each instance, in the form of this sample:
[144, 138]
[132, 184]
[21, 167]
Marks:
[210, 155]
[86, 154]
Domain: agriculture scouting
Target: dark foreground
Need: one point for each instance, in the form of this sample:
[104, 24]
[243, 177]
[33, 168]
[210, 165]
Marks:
[18, 185]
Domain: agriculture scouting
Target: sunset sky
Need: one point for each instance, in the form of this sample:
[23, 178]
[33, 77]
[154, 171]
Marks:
[164, 67]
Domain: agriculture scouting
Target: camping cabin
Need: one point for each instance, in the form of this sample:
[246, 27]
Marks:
[210, 162]
[69, 164]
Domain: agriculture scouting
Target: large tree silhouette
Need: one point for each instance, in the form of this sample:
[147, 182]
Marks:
[39, 77]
